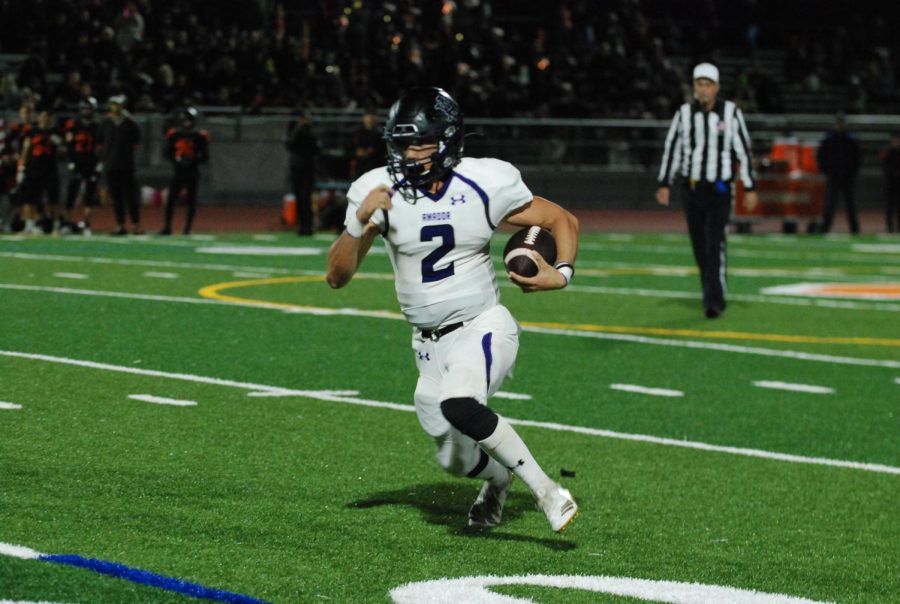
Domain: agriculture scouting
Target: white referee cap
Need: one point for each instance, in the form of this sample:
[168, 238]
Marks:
[708, 71]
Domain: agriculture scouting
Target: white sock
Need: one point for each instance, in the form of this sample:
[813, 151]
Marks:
[494, 472]
[508, 448]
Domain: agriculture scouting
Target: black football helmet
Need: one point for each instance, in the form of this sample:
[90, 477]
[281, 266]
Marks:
[423, 116]
[87, 107]
[188, 114]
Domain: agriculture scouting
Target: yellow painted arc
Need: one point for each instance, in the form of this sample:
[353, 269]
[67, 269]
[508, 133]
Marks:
[214, 292]
[728, 335]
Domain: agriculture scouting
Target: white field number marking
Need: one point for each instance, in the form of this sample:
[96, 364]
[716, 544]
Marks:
[11, 406]
[475, 590]
[775, 385]
[644, 390]
[161, 400]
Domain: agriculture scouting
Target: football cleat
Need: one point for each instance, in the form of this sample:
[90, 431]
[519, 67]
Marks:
[487, 510]
[559, 507]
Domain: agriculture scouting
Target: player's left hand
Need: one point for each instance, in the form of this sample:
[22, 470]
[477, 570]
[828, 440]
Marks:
[547, 277]
[751, 200]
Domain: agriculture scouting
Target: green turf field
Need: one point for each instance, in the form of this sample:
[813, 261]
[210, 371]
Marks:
[207, 410]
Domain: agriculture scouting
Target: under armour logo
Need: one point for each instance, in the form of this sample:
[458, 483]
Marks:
[423, 356]
[513, 469]
[455, 199]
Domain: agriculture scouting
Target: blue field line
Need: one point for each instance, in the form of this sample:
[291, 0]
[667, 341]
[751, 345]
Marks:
[136, 575]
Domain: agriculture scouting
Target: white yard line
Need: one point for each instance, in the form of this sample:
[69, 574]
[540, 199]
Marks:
[159, 275]
[161, 400]
[621, 291]
[328, 395]
[384, 314]
[249, 275]
[9, 406]
[808, 388]
[18, 551]
[260, 250]
[153, 263]
[744, 252]
[644, 390]
[768, 352]
[876, 248]
[693, 295]
[515, 396]
[70, 275]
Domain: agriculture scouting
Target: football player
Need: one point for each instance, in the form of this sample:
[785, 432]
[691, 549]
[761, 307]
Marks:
[40, 178]
[436, 211]
[186, 148]
[81, 149]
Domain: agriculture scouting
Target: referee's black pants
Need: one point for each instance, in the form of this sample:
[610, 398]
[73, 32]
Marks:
[708, 209]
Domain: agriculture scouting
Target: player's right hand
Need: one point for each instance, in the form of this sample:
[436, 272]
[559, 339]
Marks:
[378, 198]
[662, 196]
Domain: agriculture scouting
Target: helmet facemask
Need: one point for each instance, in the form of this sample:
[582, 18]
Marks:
[423, 117]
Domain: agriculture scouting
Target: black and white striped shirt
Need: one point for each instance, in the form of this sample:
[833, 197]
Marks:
[704, 146]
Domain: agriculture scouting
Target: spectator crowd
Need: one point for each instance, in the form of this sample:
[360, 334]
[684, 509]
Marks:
[575, 58]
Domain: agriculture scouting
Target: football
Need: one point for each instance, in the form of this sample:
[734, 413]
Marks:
[517, 255]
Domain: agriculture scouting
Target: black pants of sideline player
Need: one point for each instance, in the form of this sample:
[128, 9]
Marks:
[123, 190]
[88, 177]
[302, 179]
[187, 180]
[846, 189]
[707, 209]
[39, 186]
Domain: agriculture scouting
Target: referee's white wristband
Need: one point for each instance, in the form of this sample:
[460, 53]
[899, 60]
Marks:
[355, 228]
[566, 270]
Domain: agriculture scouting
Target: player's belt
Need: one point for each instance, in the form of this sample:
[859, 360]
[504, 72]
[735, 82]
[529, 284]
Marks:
[440, 332]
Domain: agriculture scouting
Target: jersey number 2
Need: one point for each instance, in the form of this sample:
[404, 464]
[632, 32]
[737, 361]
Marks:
[429, 233]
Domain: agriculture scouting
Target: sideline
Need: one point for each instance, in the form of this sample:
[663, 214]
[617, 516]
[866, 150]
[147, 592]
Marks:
[344, 397]
[617, 291]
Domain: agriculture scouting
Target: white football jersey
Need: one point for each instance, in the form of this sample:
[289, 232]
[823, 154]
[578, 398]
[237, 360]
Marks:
[439, 245]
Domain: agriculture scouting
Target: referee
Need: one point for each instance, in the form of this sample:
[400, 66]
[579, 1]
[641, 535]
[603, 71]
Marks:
[705, 139]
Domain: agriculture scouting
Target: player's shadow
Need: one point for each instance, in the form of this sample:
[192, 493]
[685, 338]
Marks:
[446, 504]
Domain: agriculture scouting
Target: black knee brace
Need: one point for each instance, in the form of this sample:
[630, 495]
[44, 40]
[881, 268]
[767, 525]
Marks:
[470, 417]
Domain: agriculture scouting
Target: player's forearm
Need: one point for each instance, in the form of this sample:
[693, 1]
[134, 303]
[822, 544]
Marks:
[344, 258]
[565, 232]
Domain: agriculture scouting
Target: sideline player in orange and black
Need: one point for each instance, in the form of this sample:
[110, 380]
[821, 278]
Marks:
[40, 178]
[187, 148]
[81, 150]
[12, 167]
